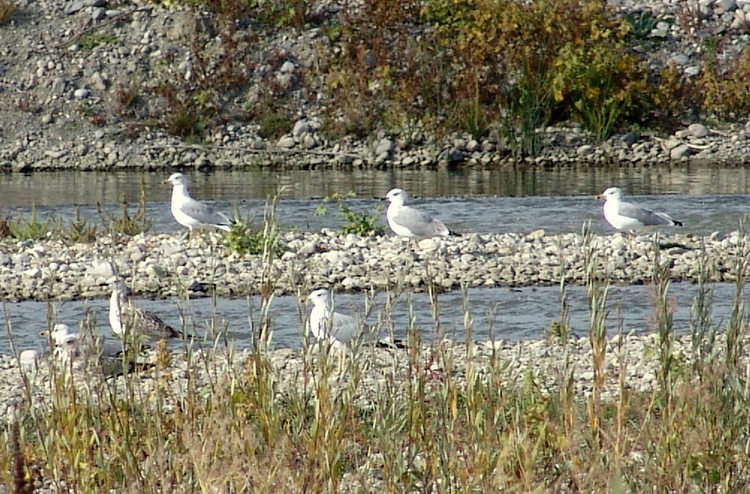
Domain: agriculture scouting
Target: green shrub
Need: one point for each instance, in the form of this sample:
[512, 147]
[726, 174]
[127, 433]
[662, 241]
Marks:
[599, 84]
[359, 223]
[31, 229]
[123, 223]
[79, 230]
[725, 89]
[244, 239]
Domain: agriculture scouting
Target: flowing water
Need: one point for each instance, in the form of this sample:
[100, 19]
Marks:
[507, 314]
[706, 199]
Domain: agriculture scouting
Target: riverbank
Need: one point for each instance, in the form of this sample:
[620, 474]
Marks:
[167, 266]
[386, 409]
[101, 85]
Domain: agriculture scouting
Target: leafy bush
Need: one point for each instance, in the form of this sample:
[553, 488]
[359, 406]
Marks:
[31, 229]
[359, 223]
[599, 84]
[244, 239]
[125, 224]
[726, 89]
[79, 230]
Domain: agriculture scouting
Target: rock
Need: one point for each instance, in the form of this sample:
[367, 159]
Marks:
[81, 93]
[679, 60]
[385, 146]
[536, 234]
[453, 155]
[101, 269]
[73, 6]
[585, 150]
[286, 142]
[287, 67]
[698, 130]
[725, 5]
[300, 127]
[628, 139]
[98, 14]
[681, 151]
[671, 143]
[98, 82]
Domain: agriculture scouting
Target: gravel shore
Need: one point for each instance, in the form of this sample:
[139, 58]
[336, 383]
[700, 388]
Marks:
[636, 355]
[164, 265]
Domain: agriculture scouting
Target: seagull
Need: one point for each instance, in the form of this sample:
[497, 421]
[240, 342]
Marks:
[28, 361]
[125, 316]
[76, 349]
[191, 213]
[412, 223]
[629, 217]
[339, 329]
[69, 345]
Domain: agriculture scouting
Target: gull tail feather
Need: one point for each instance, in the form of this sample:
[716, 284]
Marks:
[388, 343]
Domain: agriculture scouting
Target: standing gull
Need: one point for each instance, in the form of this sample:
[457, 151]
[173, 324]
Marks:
[629, 217]
[28, 361]
[339, 329]
[76, 349]
[126, 317]
[408, 222]
[69, 345]
[191, 213]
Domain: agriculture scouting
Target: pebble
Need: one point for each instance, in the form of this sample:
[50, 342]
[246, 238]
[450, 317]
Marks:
[325, 259]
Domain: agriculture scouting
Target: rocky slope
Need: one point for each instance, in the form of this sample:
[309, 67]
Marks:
[86, 84]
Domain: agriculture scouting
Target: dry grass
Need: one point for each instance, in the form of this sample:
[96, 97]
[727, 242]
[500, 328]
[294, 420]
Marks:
[428, 426]
[8, 10]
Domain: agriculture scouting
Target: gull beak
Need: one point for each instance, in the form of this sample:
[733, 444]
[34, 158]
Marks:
[599, 196]
[165, 181]
[44, 333]
[303, 299]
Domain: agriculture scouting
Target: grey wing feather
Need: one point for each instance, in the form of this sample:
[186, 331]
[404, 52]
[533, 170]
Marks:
[645, 216]
[204, 213]
[419, 223]
[345, 328]
[148, 324]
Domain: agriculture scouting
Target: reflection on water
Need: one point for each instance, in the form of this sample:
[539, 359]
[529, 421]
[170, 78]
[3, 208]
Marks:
[71, 188]
[517, 314]
[468, 200]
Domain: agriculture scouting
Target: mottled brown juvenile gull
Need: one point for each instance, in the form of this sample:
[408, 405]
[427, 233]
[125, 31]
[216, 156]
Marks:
[625, 216]
[127, 319]
[409, 222]
[191, 213]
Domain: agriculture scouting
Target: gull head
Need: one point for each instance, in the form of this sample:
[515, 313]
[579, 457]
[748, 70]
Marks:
[397, 196]
[320, 298]
[176, 179]
[117, 284]
[614, 193]
[58, 333]
[69, 343]
[29, 361]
